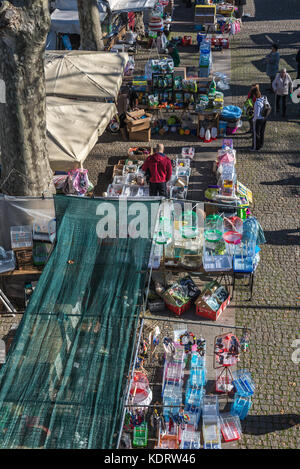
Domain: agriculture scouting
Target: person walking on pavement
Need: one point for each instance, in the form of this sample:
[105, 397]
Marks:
[174, 54]
[272, 64]
[262, 111]
[159, 167]
[282, 86]
[240, 7]
[249, 104]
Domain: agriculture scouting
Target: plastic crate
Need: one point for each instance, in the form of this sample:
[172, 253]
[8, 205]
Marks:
[243, 383]
[140, 435]
[210, 408]
[241, 406]
[206, 312]
[178, 310]
[230, 427]
[21, 237]
[115, 190]
[211, 435]
[120, 180]
[190, 439]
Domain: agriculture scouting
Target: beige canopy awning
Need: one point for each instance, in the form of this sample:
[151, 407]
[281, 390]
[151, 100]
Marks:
[73, 128]
[84, 74]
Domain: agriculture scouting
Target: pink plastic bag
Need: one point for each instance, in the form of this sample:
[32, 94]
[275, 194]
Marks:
[80, 180]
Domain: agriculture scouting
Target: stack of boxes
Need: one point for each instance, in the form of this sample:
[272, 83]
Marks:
[138, 126]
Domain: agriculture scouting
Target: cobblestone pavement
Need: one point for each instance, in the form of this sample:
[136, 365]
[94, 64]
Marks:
[273, 176]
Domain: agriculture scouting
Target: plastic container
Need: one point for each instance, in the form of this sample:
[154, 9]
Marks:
[140, 435]
[172, 405]
[210, 408]
[21, 237]
[211, 435]
[185, 162]
[241, 406]
[213, 222]
[177, 192]
[190, 439]
[178, 310]
[230, 427]
[216, 263]
[243, 383]
[197, 376]
[188, 152]
[120, 180]
[183, 171]
[115, 190]
[7, 260]
[197, 360]
[174, 374]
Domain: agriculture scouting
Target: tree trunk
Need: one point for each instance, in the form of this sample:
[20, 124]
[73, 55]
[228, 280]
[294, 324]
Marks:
[90, 26]
[25, 165]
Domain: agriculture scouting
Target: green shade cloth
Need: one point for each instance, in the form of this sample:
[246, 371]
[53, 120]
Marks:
[64, 380]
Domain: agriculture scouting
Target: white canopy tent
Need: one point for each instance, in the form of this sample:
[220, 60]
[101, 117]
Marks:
[120, 6]
[73, 128]
[77, 85]
[84, 74]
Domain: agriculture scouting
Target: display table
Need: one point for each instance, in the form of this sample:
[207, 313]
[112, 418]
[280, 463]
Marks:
[20, 273]
[229, 276]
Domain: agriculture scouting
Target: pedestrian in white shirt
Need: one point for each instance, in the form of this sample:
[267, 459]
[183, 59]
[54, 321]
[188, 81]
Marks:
[262, 110]
[282, 86]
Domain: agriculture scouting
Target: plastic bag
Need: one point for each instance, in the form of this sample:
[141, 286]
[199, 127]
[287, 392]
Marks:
[80, 180]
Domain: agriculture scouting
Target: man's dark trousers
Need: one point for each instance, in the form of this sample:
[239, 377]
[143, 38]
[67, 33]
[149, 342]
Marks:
[158, 188]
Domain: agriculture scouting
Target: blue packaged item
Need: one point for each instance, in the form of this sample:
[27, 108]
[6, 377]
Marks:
[66, 42]
[241, 406]
[197, 377]
[252, 231]
[231, 112]
[197, 360]
[193, 396]
[243, 383]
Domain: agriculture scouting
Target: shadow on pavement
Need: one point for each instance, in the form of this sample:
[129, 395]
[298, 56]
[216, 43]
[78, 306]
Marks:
[262, 424]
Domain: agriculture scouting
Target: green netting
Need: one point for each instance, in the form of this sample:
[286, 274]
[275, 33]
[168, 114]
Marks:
[63, 383]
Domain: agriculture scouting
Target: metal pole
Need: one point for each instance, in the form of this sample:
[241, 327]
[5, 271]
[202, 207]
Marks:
[188, 321]
[130, 382]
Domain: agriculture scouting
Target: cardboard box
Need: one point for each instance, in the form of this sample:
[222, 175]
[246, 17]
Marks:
[134, 115]
[141, 124]
[141, 136]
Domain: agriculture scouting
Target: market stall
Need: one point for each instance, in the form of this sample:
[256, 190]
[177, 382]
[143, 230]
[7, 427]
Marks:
[185, 415]
[73, 129]
[81, 89]
[84, 74]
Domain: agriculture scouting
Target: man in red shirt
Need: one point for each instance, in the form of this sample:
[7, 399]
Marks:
[160, 168]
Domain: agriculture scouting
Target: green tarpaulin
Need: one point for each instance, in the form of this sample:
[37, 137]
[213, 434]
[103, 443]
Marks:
[65, 376]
